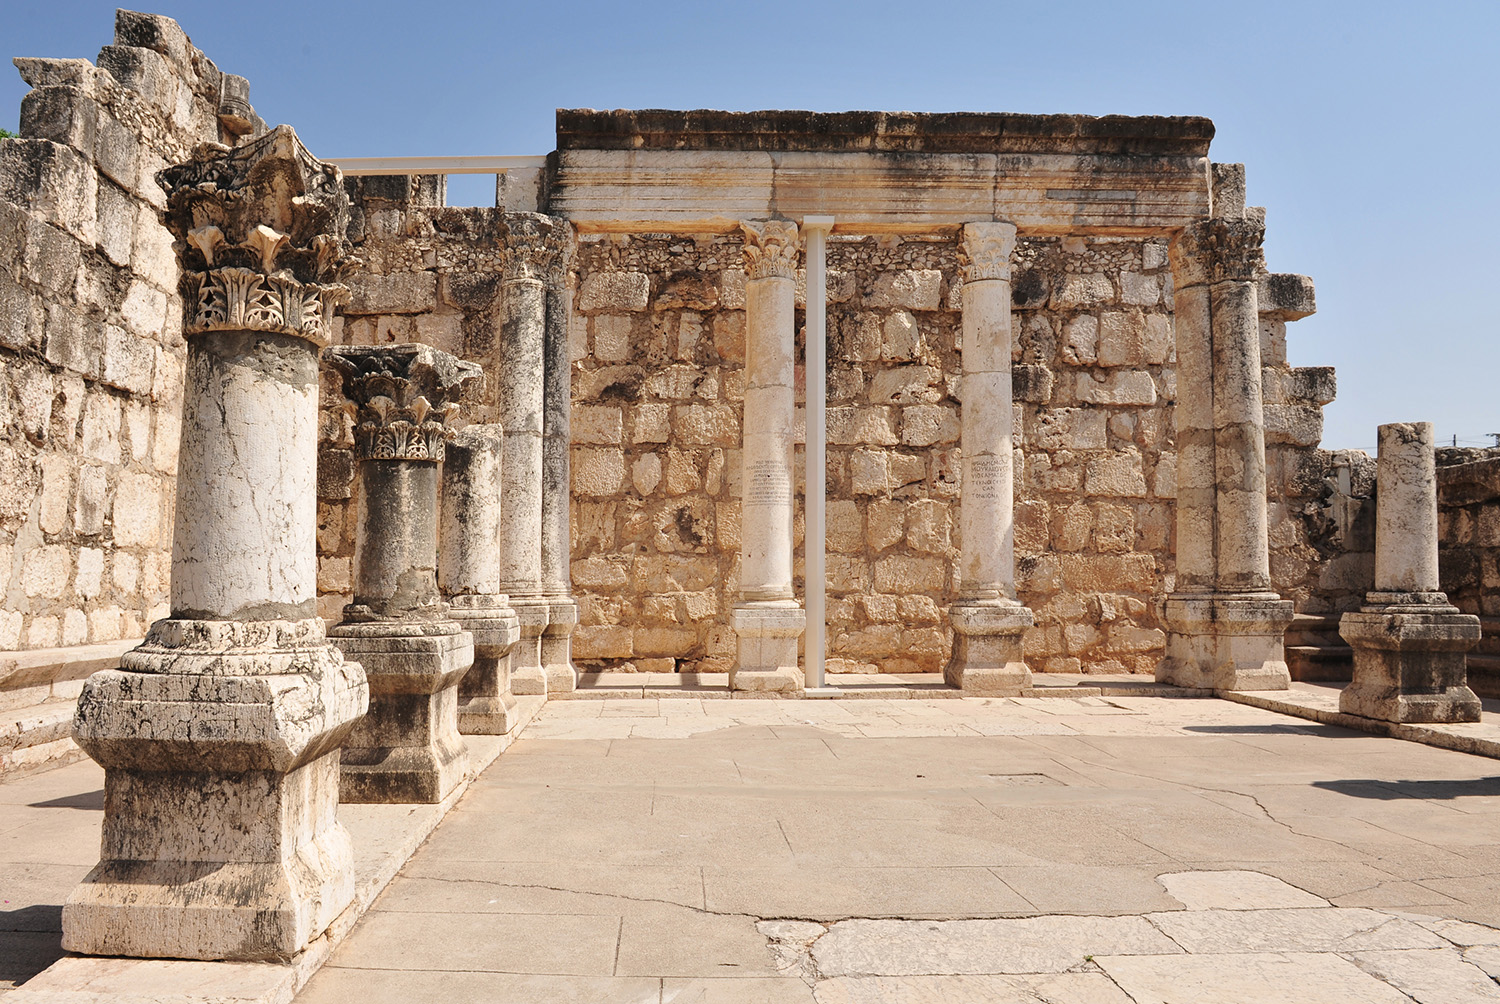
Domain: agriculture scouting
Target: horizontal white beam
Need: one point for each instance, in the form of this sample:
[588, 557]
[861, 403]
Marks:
[353, 166]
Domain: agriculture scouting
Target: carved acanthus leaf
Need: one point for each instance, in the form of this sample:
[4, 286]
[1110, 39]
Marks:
[984, 252]
[771, 249]
[402, 397]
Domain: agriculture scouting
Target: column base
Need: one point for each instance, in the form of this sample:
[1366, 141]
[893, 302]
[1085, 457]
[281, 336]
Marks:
[221, 841]
[766, 660]
[987, 649]
[1410, 663]
[486, 706]
[407, 749]
[527, 674]
[1226, 642]
[557, 646]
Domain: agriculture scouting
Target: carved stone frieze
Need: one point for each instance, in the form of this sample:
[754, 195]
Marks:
[771, 249]
[261, 237]
[402, 397]
[985, 250]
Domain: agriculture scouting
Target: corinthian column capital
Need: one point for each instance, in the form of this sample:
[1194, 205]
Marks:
[533, 247]
[984, 252]
[402, 397]
[1218, 250]
[259, 234]
[771, 249]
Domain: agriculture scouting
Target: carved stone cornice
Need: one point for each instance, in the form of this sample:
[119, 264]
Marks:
[771, 249]
[533, 248]
[1218, 250]
[260, 237]
[985, 250]
[401, 397]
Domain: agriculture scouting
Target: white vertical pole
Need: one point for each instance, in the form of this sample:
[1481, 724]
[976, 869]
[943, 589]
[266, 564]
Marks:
[815, 229]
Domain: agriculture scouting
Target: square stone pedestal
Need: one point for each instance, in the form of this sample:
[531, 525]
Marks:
[486, 705]
[528, 676]
[1410, 665]
[987, 649]
[407, 749]
[1226, 642]
[221, 839]
[557, 647]
[767, 655]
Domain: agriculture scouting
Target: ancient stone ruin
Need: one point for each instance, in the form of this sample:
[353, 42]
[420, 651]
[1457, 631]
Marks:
[566, 434]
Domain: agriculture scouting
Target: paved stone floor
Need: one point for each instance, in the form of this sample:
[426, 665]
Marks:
[1072, 851]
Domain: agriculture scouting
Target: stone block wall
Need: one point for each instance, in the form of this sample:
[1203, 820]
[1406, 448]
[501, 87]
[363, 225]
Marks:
[1469, 551]
[657, 350]
[91, 351]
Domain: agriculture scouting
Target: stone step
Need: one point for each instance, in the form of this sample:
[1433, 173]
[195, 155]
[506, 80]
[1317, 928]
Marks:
[1320, 662]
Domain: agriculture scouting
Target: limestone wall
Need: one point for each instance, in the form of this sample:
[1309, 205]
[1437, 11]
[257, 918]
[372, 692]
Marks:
[91, 349]
[657, 343]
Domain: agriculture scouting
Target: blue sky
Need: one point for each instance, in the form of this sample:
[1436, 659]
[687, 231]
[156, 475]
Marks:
[1371, 131]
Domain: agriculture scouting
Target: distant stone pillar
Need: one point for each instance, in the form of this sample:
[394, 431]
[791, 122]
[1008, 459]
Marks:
[530, 249]
[469, 577]
[220, 734]
[767, 618]
[1225, 625]
[988, 622]
[1409, 643]
[407, 749]
[557, 478]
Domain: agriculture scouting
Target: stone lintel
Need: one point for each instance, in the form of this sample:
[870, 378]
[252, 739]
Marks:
[873, 131]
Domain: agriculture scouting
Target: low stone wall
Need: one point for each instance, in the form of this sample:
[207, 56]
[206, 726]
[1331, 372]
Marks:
[1469, 551]
[91, 351]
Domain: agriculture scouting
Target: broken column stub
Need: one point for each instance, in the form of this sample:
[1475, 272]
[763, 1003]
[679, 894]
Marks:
[767, 620]
[988, 622]
[407, 749]
[220, 734]
[532, 251]
[1225, 625]
[1409, 642]
[469, 578]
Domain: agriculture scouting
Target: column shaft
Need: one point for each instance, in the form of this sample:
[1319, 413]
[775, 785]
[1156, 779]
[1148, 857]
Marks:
[557, 484]
[1225, 625]
[988, 623]
[767, 619]
[1409, 642]
[220, 734]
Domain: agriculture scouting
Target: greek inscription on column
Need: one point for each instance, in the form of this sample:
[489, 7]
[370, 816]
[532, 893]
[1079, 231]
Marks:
[984, 476]
[767, 482]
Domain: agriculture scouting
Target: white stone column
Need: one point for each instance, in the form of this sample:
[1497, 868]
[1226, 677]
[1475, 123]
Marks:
[557, 481]
[815, 231]
[767, 618]
[1225, 625]
[988, 622]
[530, 248]
[407, 749]
[220, 734]
[469, 577]
[1409, 642]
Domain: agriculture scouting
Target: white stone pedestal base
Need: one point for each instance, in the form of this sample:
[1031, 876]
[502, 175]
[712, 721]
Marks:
[987, 649]
[1409, 663]
[407, 749]
[767, 653]
[527, 675]
[1219, 642]
[220, 743]
[557, 647]
[486, 705]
